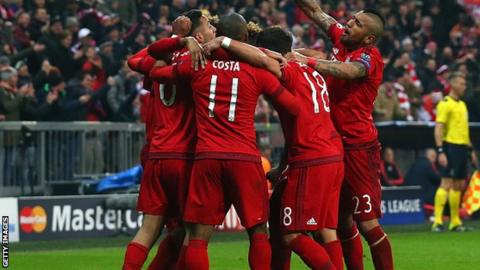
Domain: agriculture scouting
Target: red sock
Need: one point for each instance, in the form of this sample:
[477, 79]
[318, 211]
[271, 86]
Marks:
[259, 253]
[311, 253]
[281, 254]
[196, 255]
[334, 250]
[166, 256]
[352, 248]
[380, 248]
[135, 256]
[180, 265]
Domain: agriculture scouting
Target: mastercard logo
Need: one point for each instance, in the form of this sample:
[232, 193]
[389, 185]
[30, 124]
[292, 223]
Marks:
[33, 219]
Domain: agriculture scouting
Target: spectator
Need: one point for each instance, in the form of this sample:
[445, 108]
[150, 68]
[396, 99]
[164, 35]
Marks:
[80, 98]
[12, 99]
[122, 93]
[387, 106]
[12, 102]
[126, 10]
[298, 36]
[390, 174]
[424, 172]
[21, 35]
[39, 24]
[61, 56]
[428, 75]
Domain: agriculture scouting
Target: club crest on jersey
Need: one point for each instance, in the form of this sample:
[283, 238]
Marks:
[365, 58]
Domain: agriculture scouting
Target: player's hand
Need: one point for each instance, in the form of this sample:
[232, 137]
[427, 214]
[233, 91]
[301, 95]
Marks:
[52, 97]
[197, 52]
[84, 99]
[181, 26]
[442, 160]
[111, 81]
[295, 56]
[38, 47]
[474, 159]
[46, 67]
[277, 56]
[212, 45]
[274, 175]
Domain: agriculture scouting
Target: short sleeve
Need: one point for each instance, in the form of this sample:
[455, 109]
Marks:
[442, 112]
[368, 58]
[335, 31]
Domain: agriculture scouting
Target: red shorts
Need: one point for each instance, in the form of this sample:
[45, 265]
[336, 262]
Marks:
[164, 186]
[217, 184]
[144, 154]
[310, 197]
[361, 192]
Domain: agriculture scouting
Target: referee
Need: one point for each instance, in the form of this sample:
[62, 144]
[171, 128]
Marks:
[452, 139]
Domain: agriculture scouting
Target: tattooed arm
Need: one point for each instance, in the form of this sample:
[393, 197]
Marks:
[337, 69]
[312, 9]
[341, 70]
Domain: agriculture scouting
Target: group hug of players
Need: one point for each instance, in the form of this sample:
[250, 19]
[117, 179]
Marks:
[201, 155]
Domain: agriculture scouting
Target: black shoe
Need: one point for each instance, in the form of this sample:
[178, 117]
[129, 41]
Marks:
[438, 228]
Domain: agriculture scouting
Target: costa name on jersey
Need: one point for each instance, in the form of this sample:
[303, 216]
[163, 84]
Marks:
[226, 65]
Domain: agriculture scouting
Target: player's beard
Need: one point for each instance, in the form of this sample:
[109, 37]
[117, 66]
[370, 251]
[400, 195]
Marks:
[348, 42]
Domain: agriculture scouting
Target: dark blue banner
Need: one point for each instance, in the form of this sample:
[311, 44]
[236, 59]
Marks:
[402, 205]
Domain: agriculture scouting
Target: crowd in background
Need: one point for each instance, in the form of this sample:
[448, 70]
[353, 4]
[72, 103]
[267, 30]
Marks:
[64, 60]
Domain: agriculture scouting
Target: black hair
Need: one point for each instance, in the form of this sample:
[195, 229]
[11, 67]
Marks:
[275, 39]
[233, 26]
[376, 13]
[194, 15]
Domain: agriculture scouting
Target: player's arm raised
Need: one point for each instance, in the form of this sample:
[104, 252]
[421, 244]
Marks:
[337, 69]
[312, 9]
[245, 52]
[162, 48]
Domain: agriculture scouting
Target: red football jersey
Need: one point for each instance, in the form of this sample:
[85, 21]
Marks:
[352, 100]
[225, 95]
[173, 120]
[311, 137]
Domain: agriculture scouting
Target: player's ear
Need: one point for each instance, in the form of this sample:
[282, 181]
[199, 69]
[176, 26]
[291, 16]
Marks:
[199, 38]
[245, 37]
[370, 40]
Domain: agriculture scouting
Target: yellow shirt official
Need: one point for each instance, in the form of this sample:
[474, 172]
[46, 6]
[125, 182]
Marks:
[454, 115]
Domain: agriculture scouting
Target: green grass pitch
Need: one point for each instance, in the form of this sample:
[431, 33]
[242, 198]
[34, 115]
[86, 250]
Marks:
[414, 248]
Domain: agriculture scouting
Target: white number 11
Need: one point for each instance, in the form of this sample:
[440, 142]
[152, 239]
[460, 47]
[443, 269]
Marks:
[233, 98]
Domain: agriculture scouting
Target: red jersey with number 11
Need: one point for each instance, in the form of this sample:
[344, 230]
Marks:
[225, 95]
